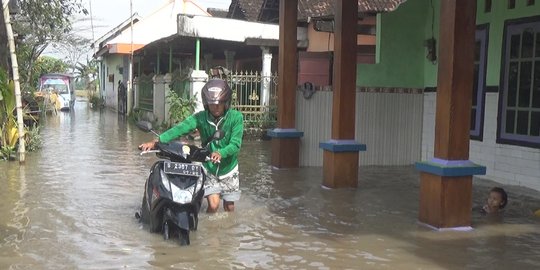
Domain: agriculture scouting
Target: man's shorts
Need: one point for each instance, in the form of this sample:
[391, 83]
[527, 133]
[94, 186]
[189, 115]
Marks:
[228, 185]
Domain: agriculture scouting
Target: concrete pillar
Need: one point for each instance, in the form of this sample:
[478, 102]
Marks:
[167, 79]
[266, 75]
[103, 79]
[197, 78]
[159, 98]
[136, 90]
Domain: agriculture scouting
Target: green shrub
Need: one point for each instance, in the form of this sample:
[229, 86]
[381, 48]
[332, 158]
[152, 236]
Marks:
[33, 138]
[179, 108]
[95, 100]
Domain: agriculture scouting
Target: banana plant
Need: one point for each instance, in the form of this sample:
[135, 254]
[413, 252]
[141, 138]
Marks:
[179, 108]
[8, 122]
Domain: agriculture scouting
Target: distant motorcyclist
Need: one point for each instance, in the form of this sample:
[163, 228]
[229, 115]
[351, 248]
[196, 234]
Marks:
[216, 97]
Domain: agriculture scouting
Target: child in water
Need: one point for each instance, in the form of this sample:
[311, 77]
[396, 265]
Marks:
[496, 201]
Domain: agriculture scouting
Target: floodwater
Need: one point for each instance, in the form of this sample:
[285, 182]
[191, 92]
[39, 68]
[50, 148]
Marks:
[72, 207]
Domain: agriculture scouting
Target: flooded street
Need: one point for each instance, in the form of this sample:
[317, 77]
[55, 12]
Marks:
[72, 207]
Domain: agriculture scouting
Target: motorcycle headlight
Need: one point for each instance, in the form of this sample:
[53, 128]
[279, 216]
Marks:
[182, 195]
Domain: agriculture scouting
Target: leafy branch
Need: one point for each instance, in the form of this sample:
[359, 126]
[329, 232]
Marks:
[179, 108]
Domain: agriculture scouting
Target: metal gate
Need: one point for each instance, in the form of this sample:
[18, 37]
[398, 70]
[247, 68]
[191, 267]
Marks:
[146, 92]
[248, 98]
[180, 84]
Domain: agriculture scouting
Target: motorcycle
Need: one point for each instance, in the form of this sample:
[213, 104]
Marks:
[174, 190]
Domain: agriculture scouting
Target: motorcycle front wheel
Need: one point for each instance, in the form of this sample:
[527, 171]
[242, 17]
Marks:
[166, 231]
[183, 236]
[155, 225]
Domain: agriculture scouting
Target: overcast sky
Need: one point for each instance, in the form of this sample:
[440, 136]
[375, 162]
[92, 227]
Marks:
[107, 14]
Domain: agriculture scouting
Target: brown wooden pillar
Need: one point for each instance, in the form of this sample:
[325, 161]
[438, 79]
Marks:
[340, 159]
[446, 180]
[285, 138]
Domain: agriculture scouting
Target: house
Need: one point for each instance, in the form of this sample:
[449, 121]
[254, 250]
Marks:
[431, 86]
[505, 121]
[316, 16]
[114, 49]
[179, 62]
[397, 67]
[113, 61]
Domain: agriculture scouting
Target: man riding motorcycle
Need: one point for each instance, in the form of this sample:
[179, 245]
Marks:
[223, 176]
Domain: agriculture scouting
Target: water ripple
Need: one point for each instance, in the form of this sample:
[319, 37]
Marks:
[72, 206]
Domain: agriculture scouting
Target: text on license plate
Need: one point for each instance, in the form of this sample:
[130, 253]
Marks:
[182, 168]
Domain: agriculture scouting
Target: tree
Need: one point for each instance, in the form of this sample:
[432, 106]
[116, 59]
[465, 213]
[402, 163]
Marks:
[86, 74]
[47, 64]
[4, 52]
[74, 47]
[42, 23]
[43, 65]
[3, 42]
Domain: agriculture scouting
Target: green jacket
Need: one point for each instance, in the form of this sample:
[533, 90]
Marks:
[228, 147]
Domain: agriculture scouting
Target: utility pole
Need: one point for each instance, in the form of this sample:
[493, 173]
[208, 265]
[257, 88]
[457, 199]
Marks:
[130, 75]
[96, 80]
[15, 67]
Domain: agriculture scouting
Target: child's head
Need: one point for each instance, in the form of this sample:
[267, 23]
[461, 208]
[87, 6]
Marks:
[497, 198]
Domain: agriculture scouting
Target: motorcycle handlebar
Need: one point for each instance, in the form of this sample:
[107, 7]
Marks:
[157, 151]
[149, 152]
[209, 159]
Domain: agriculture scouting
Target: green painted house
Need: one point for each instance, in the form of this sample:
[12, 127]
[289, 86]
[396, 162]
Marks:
[505, 116]
[397, 87]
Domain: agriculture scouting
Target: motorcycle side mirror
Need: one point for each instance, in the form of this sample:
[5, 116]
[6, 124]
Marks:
[146, 127]
[218, 135]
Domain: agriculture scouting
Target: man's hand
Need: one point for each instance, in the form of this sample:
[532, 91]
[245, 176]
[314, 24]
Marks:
[215, 157]
[148, 145]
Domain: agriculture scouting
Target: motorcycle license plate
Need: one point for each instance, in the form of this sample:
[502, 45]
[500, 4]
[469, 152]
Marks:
[182, 168]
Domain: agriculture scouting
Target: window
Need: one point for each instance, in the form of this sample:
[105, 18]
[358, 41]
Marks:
[487, 6]
[479, 85]
[520, 101]
[511, 4]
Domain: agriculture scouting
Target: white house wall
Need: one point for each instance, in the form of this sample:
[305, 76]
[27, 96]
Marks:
[112, 64]
[227, 29]
[507, 164]
[390, 124]
[161, 23]
[314, 118]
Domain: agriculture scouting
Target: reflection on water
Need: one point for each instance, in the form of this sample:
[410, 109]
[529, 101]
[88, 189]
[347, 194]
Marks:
[72, 206]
